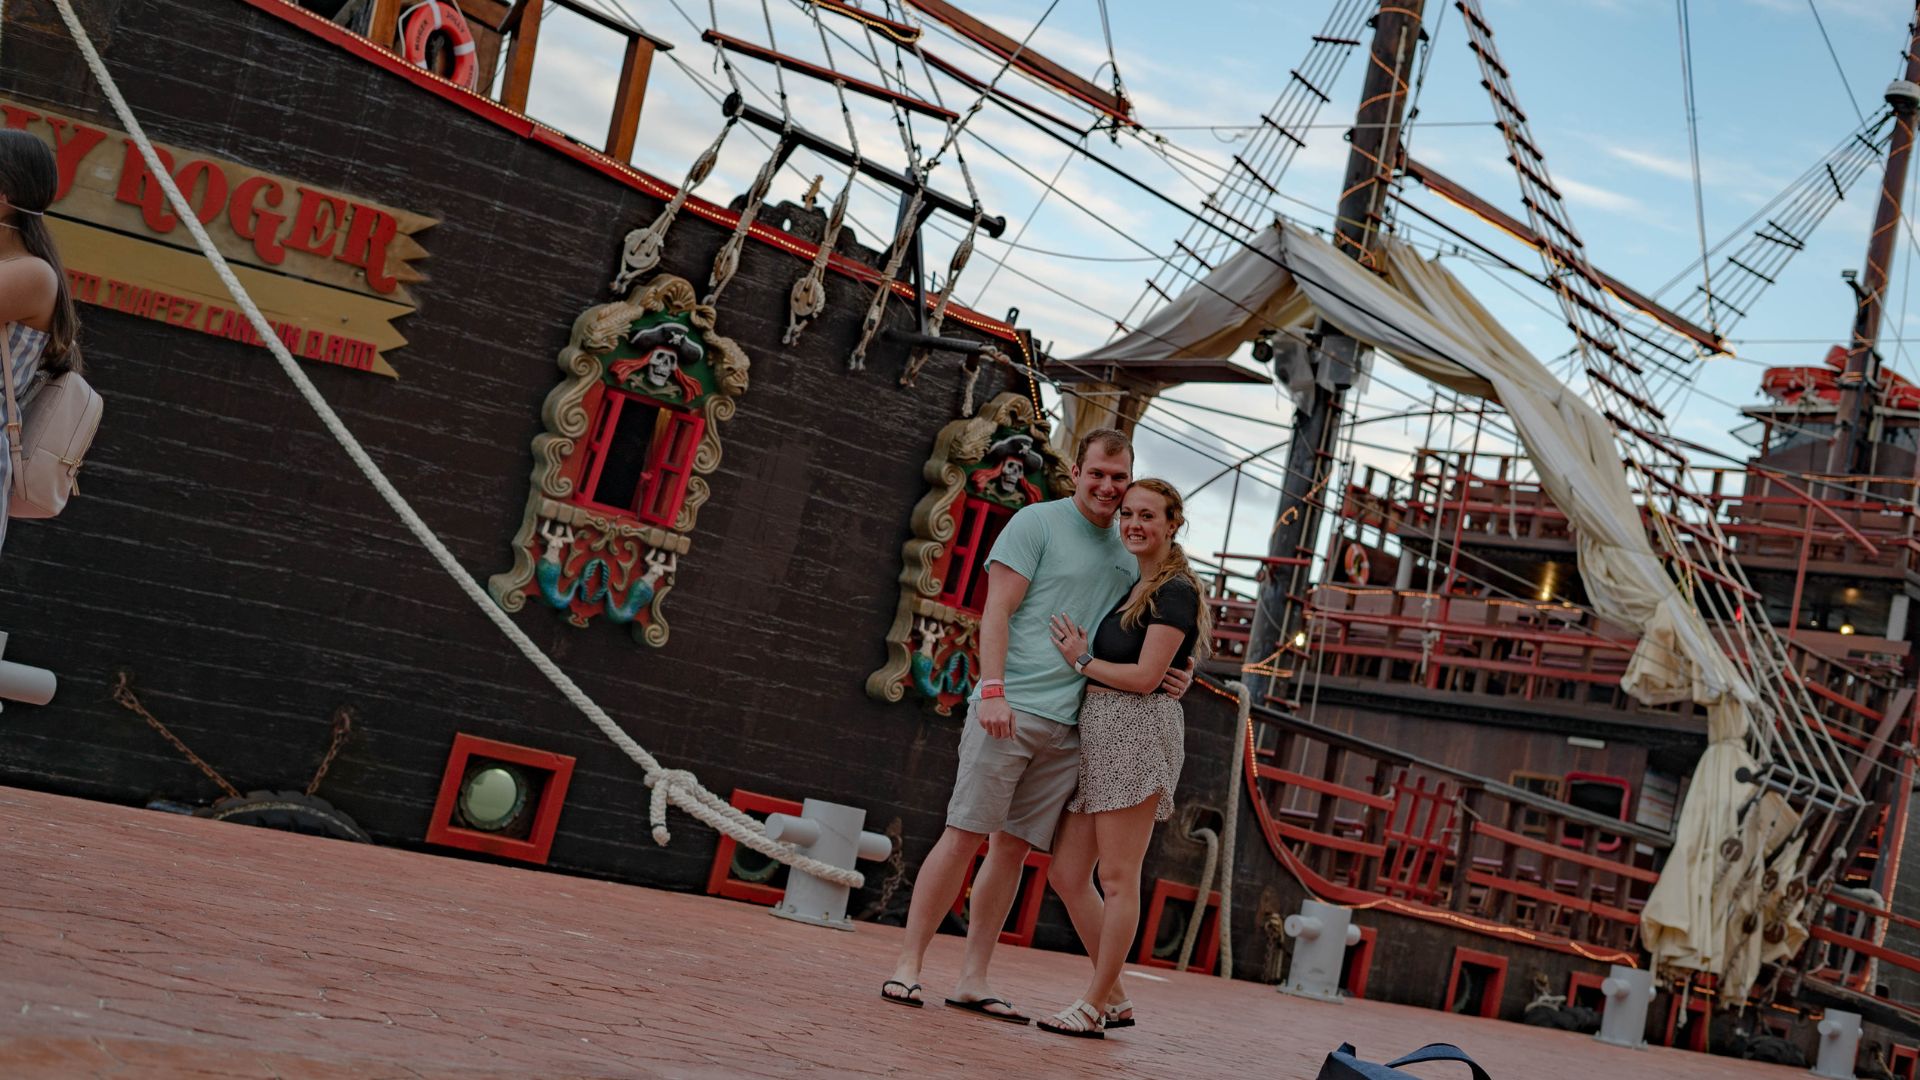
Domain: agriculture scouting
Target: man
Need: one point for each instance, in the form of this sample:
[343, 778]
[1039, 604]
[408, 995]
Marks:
[1020, 749]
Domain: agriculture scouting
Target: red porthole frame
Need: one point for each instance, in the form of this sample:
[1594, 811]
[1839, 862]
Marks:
[1206, 950]
[1026, 901]
[546, 816]
[720, 879]
[1496, 983]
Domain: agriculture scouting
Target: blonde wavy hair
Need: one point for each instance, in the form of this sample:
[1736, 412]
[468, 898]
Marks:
[1175, 565]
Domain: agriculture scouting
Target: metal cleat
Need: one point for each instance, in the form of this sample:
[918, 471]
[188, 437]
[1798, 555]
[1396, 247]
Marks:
[1623, 1022]
[832, 834]
[1839, 1045]
[18, 682]
[1321, 933]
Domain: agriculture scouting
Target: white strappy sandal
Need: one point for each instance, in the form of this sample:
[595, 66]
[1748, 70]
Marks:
[1079, 1020]
[1120, 1014]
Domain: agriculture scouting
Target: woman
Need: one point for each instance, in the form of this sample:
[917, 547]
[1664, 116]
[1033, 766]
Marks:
[1131, 747]
[37, 321]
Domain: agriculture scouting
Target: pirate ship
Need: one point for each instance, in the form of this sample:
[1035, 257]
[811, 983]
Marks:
[764, 429]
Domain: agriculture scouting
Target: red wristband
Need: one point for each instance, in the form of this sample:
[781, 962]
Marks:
[993, 690]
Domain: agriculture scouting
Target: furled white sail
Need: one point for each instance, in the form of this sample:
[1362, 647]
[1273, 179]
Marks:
[1423, 318]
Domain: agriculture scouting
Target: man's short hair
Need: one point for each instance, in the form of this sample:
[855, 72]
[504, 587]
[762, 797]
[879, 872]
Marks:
[1109, 439]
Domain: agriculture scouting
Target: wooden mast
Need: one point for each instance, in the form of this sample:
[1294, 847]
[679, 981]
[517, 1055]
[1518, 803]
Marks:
[1853, 439]
[1376, 147]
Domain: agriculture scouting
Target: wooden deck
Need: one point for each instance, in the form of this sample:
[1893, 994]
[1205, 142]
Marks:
[140, 944]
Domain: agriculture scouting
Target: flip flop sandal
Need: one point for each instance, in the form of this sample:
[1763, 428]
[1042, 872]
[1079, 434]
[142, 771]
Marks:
[902, 998]
[980, 1006]
[1078, 1020]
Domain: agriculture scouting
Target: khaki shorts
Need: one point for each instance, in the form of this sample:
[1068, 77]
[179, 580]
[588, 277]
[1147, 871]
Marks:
[1018, 785]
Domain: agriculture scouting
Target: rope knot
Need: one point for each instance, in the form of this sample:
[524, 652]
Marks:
[663, 782]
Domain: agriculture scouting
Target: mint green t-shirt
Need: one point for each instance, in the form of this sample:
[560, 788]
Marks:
[1072, 566]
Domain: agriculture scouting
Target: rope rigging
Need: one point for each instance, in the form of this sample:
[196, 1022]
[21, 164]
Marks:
[1693, 155]
[1853, 100]
[1796, 755]
[808, 298]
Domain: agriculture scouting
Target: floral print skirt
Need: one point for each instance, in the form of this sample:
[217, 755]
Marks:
[1131, 747]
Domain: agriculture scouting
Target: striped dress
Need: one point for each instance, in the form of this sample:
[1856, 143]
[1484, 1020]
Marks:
[25, 345]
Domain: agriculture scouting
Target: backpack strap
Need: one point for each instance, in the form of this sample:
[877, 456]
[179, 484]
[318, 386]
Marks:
[1441, 1052]
[13, 408]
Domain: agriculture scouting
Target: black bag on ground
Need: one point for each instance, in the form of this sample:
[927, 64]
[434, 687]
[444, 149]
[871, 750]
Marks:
[1343, 1065]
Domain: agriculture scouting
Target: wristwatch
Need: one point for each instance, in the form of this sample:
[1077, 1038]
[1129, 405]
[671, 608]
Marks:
[1080, 665]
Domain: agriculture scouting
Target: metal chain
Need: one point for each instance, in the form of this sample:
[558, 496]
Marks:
[124, 695]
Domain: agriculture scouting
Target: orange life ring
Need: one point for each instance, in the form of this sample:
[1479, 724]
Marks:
[1355, 562]
[432, 17]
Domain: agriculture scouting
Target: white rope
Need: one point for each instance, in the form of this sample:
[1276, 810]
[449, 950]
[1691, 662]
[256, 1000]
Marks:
[669, 785]
[1243, 720]
[1212, 840]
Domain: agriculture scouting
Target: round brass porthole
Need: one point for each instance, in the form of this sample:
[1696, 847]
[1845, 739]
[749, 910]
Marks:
[493, 797]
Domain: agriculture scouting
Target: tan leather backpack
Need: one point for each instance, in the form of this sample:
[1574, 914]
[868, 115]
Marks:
[49, 440]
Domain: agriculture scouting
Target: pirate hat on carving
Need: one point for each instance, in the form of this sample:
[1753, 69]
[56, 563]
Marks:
[670, 338]
[1020, 446]
[669, 335]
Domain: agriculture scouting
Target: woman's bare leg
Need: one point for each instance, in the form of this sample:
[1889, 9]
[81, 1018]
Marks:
[1071, 875]
[1075, 853]
[1122, 837]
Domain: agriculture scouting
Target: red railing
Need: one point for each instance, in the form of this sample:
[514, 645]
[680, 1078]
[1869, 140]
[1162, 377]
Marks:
[1854, 521]
[1472, 645]
[1365, 825]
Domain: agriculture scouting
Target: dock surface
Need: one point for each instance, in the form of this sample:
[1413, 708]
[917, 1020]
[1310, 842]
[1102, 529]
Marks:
[140, 944]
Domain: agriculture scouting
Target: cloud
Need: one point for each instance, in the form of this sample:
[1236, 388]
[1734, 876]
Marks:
[1651, 162]
[1599, 198]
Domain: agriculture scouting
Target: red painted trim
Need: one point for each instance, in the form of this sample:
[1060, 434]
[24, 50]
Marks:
[546, 816]
[1031, 891]
[1905, 1062]
[1326, 787]
[1566, 852]
[1496, 986]
[528, 128]
[1603, 780]
[827, 75]
[1696, 1026]
[720, 879]
[1582, 980]
[1362, 965]
[1208, 944]
[1865, 947]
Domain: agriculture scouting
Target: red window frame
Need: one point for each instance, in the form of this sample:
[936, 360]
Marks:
[670, 466]
[669, 463]
[967, 562]
[1607, 842]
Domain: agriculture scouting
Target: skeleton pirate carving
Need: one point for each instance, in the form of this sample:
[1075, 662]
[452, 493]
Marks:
[619, 471]
[983, 468]
[1004, 480]
[666, 351]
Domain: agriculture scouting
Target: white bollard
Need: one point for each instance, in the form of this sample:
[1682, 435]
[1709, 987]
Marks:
[1623, 1020]
[19, 682]
[1839, 1045]
[831, 833]
[1321, 934]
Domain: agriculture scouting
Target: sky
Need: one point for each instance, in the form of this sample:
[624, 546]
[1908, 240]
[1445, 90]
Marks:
[1600, 80]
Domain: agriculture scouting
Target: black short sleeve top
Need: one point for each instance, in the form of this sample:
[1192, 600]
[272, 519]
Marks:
[1175, 604]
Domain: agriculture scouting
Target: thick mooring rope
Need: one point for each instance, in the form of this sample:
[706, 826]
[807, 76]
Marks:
[669, 785]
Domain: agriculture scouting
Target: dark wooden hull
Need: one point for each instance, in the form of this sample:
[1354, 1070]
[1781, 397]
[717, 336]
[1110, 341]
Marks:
[226, 553]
